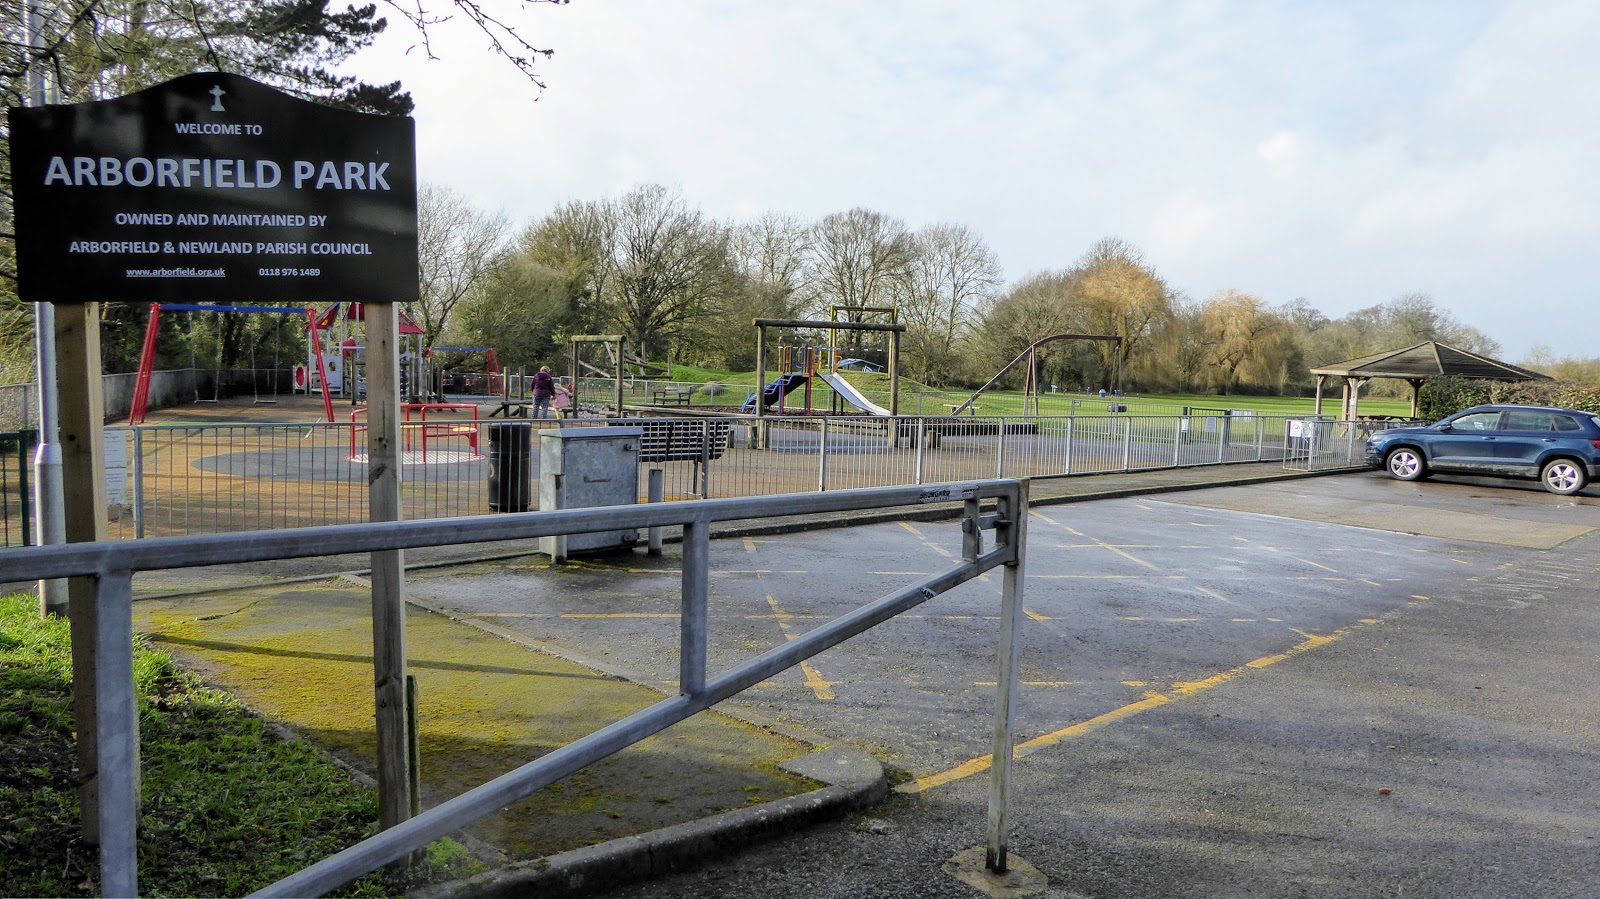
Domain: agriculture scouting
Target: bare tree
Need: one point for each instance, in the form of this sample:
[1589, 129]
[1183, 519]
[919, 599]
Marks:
[457, 246]
[770, 252]
[858, 260]
[952, 272]
[1036, 307]
[670, 266]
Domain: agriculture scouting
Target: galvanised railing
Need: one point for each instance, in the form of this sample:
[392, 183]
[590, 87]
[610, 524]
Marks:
[1321, 445]
[195, 479]
[997, 506]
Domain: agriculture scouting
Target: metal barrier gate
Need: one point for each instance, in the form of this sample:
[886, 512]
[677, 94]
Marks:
[999, 506]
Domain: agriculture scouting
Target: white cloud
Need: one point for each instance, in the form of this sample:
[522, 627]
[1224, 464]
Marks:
[1282, 151]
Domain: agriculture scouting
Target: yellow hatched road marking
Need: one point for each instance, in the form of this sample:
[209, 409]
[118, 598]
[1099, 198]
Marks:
[821, 688]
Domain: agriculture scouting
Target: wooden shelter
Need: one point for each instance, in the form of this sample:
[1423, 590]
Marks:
[1414, 365]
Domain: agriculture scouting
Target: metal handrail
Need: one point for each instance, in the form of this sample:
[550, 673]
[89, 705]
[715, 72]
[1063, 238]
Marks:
[113, 564]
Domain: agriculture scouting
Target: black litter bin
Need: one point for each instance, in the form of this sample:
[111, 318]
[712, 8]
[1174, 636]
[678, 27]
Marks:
[510, 466]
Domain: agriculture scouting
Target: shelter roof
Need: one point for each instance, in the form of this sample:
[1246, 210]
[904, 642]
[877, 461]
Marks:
[1429, 360]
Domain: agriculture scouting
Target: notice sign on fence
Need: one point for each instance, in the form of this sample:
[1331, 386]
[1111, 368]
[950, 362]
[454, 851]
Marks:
[213, 188]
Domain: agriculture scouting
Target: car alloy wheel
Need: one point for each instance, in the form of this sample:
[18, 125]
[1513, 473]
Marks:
[1405, 464]
[1563, 477]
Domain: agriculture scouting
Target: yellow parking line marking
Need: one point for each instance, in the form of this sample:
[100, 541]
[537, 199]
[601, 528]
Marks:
[1319, 565]
[1217, 596]
[1370, 583]
[620, 615]
[1034, 616]
[749, 544]
[1051, 521]
[1135, 683]
[1415, 596]
[1196, 524]
[914, 532]
[1027, 683]
[821, 688]
[1152, 700]
[1129, 556]
[1086, 577]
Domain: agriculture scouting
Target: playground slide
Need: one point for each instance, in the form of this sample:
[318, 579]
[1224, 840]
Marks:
[781, 387]
[851, 395]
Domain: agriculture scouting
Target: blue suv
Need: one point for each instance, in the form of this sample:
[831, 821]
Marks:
[1560, 447]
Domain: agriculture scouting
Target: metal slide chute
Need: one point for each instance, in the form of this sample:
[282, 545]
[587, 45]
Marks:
[851, 395]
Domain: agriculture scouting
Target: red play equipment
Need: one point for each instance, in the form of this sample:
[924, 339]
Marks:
[494, 379]
[141, 386]
[427, 431]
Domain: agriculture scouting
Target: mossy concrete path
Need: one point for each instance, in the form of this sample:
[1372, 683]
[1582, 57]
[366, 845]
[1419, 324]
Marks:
[302, 656]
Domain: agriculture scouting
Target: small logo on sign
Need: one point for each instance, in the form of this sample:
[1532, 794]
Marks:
[216, 101]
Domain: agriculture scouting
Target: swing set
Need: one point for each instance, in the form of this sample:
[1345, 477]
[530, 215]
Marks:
[141, 388]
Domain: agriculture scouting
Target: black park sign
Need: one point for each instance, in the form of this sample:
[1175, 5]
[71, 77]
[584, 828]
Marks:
[213, 188]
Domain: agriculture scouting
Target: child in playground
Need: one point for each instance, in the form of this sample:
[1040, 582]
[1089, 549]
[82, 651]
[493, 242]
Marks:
[544, 387]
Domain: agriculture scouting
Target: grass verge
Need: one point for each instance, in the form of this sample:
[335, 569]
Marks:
[228, 806]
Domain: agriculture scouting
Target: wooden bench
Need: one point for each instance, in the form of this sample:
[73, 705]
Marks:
[680, 440]
[671, 397]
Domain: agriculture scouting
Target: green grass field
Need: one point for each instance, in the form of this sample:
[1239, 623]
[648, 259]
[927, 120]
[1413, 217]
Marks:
[917, 398]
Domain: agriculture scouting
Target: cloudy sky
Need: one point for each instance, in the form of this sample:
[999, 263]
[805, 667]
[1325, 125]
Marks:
[1343, 152]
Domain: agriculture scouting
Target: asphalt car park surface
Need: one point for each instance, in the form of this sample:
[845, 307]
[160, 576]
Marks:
[1217, 685]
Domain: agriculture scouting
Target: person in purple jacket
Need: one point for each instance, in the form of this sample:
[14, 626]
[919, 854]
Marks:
[544, 387]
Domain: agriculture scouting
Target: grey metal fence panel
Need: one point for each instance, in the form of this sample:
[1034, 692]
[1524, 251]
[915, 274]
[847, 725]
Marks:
[193, 479]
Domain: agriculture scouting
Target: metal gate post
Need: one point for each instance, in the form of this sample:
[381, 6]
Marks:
[692, 625]
[138, 482]
[1177, 440]
[117, 735]
[705, 458]
[1006, 689]
[1000, 450]
[822, 458]
[922, 440]
[654, 493]
[1070, 438]
[1127, 444]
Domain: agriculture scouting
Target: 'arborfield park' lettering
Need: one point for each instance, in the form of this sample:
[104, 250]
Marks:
[191, 172]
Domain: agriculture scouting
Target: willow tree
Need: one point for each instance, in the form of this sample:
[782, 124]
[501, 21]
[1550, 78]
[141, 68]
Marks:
[1117, 293]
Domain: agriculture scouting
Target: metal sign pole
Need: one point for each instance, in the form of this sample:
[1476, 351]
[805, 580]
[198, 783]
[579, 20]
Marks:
[47, 456]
